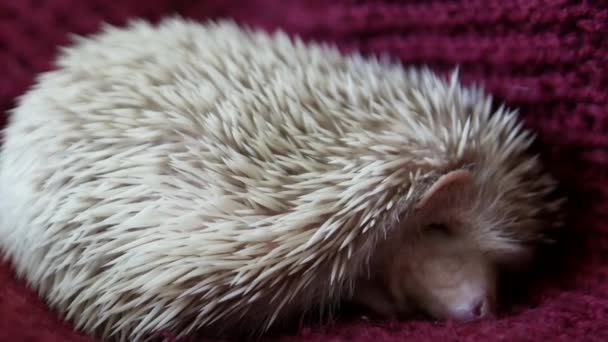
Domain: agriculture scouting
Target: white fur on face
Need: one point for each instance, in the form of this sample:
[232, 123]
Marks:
[438, 274]
[447, 277]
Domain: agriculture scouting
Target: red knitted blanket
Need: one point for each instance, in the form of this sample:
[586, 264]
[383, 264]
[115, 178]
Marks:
[548, 58]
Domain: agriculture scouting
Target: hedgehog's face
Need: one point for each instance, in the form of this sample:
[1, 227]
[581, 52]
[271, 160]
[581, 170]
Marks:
[439, 268]
[443, 275]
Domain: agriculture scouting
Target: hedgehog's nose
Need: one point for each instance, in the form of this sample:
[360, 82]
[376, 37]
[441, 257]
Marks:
[478, 309]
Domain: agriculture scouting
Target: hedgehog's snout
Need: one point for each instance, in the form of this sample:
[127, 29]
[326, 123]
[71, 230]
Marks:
[474, 308]
[458, 285]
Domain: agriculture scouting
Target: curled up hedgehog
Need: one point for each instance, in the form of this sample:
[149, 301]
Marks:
[204, 176]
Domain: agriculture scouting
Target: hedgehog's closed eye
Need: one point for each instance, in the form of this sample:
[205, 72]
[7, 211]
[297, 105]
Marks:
[438, 229]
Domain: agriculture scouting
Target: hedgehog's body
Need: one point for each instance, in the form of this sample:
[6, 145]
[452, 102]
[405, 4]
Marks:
[185, 176]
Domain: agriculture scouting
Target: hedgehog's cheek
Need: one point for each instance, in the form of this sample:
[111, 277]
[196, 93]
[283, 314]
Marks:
[372, 297]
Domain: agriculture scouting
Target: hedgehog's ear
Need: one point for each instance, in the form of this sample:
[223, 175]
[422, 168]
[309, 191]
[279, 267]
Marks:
[449, 190]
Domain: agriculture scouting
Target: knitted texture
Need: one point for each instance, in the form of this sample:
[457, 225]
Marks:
[547, 58]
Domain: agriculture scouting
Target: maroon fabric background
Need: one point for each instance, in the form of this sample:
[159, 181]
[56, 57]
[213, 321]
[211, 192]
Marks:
[549, 58]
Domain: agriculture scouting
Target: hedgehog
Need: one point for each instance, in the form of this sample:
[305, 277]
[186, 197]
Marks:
[186, 176]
